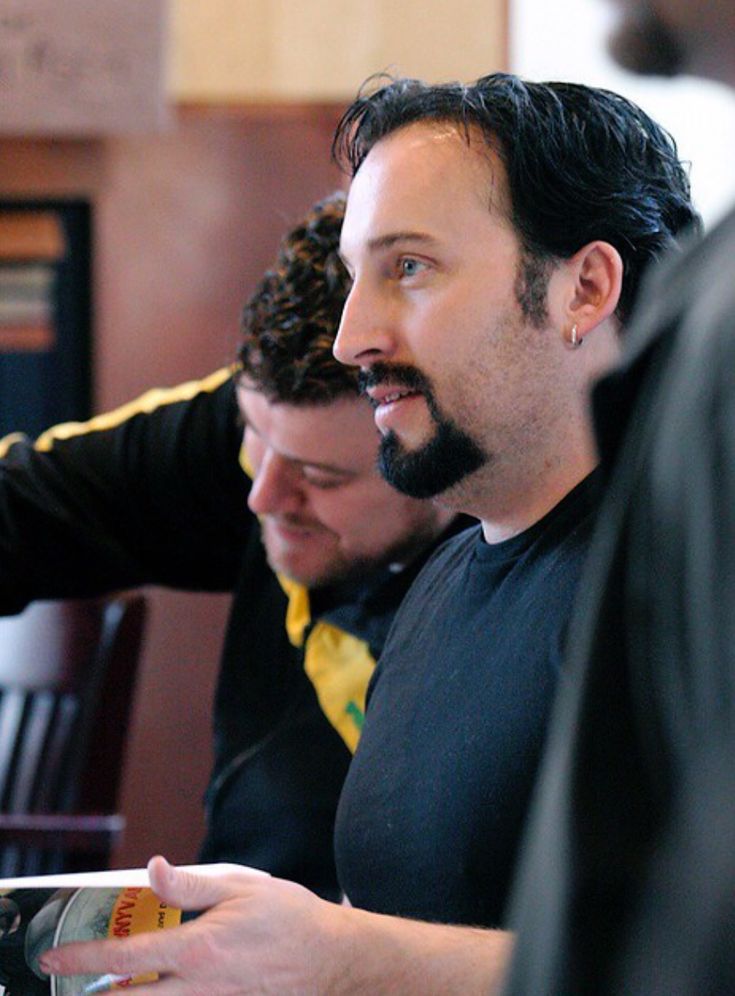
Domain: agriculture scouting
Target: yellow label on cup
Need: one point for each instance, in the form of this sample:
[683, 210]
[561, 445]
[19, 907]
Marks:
[139, 911]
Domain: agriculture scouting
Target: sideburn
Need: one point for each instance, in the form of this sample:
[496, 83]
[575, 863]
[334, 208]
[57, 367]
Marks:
[531, 287]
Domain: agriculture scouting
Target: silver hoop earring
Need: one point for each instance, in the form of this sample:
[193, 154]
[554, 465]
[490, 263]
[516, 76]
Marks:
[574, 341]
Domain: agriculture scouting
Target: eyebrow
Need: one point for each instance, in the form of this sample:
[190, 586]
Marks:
[381, 242]
[386, 241]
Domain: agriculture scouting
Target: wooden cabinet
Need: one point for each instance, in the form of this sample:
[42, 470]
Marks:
[321, 50]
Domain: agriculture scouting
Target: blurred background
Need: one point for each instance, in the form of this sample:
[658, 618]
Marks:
[151, 155]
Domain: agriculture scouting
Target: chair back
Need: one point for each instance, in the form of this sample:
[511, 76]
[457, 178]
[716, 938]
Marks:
[67, 677]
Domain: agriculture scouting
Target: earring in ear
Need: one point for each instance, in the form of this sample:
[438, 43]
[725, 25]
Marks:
[574, 340]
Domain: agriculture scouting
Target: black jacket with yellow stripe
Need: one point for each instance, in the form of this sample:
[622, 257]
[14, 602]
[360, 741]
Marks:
[154, 493]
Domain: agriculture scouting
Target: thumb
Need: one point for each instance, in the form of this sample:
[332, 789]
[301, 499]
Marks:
[188, 890]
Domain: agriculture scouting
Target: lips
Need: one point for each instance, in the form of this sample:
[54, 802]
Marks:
[388, 395]
[394, 409]
[290, 530]
[392, 389]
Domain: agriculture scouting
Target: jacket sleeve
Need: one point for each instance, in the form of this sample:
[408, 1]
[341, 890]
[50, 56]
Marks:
[151, 493]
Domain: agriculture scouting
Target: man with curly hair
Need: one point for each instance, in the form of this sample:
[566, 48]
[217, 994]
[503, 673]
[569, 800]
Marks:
[158, 491]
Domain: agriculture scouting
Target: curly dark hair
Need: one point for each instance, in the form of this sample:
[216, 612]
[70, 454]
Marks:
[582, 164]
[290, 322]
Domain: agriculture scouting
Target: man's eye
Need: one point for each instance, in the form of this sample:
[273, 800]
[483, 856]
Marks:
[409, 267]
[323, 483]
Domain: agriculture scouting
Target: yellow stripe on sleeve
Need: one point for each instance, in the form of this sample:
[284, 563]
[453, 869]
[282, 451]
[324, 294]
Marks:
[145, 404]
[10, 440]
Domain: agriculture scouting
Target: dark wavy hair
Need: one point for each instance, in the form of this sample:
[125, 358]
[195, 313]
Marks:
[290, 323]
[582, 164]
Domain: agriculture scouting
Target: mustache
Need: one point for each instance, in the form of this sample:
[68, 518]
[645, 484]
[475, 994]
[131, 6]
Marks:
[398, 374]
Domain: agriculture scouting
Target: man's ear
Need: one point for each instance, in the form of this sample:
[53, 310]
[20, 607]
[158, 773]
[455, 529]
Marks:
[596, 274]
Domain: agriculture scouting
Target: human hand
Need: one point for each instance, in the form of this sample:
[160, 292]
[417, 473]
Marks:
[258, 934]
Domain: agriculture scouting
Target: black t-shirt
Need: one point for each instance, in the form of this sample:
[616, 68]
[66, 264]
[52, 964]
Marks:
[432, 807]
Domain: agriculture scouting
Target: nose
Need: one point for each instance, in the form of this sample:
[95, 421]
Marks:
[276, 487]
[364, 333]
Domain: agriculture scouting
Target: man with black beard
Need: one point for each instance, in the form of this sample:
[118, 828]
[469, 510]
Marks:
[479, 403]
[496, 234]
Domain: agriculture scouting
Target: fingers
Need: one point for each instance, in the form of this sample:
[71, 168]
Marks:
[188, 891]
[155, 952]
[164, 952]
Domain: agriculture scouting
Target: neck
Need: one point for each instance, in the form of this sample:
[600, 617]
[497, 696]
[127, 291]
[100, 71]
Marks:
[506, 512]
[422, 538]
[496, 528]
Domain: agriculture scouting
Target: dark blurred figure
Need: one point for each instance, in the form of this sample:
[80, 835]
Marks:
[629, 879]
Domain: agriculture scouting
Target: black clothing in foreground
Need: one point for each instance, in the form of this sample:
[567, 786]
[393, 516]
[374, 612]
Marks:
[154, 493]
[628, 880]
[433, 804]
